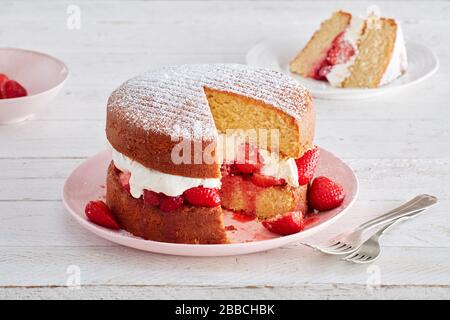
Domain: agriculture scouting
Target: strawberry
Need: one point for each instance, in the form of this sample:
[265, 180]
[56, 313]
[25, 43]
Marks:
[3, 79]
[124, 179]
[152, 198]
[170, 203]
[202, 197]
[306, 165]
[229, 170]
[98, 212]
[288, 223]
[252, 160]
[340, 52]
[321, 70]
[324, 71]
[266, 181]
[12, 89]
[325, 194]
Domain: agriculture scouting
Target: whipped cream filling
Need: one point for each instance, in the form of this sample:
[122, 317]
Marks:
[273, 165]
[279, 168]
[142, 177]
[397, 65]
[145, 178]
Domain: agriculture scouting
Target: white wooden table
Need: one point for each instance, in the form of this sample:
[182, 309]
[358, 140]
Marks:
[399, 145]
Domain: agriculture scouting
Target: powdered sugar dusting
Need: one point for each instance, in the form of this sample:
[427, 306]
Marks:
[171, 100]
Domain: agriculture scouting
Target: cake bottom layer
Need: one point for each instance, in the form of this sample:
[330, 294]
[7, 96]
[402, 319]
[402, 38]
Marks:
[240, 194]
[184, 225]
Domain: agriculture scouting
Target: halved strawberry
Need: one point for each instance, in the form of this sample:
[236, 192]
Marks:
[325, 194]
[170, 203]
[12, 89]
[124, 179]
[98, 212]
[152, 198]
[3, 79]
[288, 223]
[202, 197]
[306, 165]
[266, 181]
[250, 160]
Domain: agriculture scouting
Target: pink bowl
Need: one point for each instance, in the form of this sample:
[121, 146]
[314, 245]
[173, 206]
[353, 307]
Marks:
[42, 75]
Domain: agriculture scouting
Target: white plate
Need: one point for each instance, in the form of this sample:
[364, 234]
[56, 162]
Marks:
[87, 182]
[277, 54]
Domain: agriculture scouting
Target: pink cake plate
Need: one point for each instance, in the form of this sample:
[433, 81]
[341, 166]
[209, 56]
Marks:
[87, 182]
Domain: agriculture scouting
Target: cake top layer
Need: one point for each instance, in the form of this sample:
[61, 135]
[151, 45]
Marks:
[171, 100]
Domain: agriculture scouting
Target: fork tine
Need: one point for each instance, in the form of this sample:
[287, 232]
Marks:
[346, 248]
[361, 259]
[352, 258]
[324, 248]
[334, 246]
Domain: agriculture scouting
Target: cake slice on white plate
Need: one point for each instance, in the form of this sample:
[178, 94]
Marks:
[353, 52]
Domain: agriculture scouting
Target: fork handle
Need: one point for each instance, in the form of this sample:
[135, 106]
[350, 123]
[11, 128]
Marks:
[418, 203]
[389, 225]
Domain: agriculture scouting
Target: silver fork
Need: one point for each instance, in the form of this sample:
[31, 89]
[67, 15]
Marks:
[371, 249]
[349, 242]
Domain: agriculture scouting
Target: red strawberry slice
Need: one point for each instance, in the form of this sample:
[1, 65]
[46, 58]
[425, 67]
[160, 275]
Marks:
[98, 212]
[266, 181]
[340, 52]
[325, 194]
[152, 198]
[170, 203]
[250, 160]
[288, 223]
[124, 179]
[321, 70]
[202, 197]
[306, 165]
[324, 71]
[12, 89]
[3, 79]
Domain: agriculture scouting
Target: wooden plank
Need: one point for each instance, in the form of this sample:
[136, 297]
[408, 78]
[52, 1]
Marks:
[52, 225]
[213, 28]
[305, 291]
[292, 266]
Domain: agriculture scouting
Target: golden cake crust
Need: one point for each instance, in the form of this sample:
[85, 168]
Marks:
[148, 115]
[184, 225]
